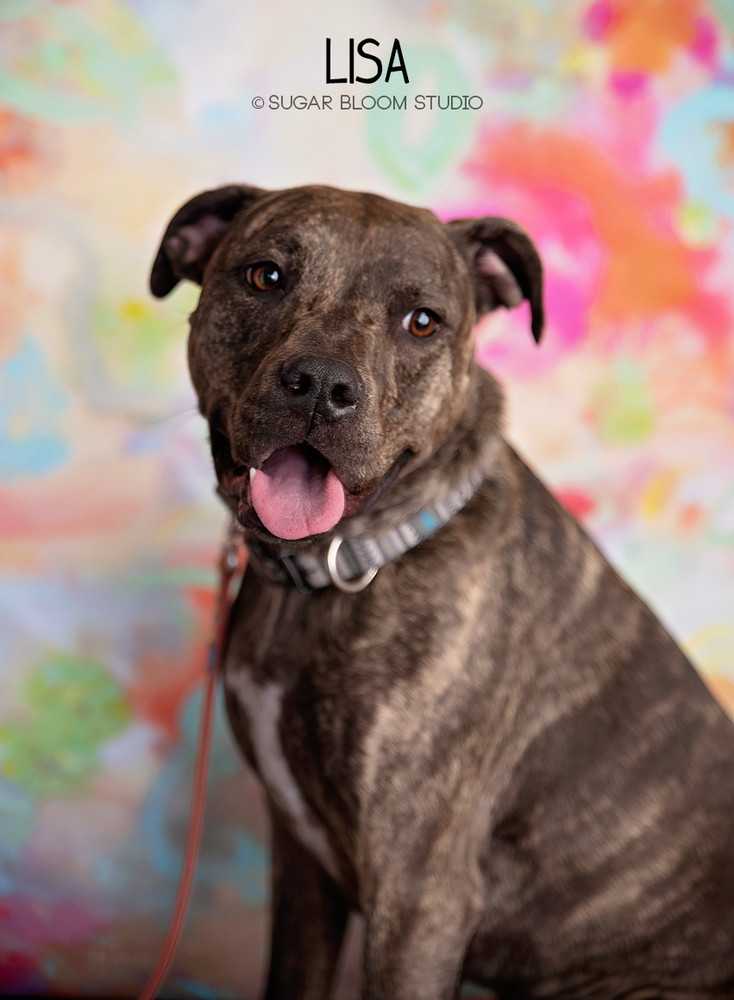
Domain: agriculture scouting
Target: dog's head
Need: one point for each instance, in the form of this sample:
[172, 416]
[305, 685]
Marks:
[331, 347]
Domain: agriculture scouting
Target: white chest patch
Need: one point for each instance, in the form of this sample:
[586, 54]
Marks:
[263, 706]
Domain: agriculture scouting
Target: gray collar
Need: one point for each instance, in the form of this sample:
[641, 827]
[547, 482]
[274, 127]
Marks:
[350, 564]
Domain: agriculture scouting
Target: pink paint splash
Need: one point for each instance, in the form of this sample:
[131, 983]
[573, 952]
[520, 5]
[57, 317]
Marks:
[573, 258]
[603, 230]
[598, 20]
[577, 502]
[26, 924]
[705, 44]
[629, 86]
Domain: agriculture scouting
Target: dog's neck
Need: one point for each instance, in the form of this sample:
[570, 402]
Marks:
[412, 509]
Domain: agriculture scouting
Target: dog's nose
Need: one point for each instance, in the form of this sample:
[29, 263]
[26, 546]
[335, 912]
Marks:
[325, 386]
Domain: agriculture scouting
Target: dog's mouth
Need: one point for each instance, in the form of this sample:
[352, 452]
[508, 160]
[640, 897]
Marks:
[296, 493]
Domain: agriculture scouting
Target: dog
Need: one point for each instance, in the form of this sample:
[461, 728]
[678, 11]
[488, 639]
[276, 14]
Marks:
[468, 727]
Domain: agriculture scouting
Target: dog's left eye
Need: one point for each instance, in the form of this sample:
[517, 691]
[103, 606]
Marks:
[264, 277]
[421, 322]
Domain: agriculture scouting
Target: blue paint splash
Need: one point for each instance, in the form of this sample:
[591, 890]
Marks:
[29, 403]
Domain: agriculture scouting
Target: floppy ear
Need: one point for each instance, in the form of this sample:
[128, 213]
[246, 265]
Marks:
[193, 234]
[504, 265]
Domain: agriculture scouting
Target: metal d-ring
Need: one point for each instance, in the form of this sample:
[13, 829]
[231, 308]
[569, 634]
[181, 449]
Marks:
[348, 586]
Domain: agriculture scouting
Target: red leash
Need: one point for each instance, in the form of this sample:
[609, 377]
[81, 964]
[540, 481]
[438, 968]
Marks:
[231, 565]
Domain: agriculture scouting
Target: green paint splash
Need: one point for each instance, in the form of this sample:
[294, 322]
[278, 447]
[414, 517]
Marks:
[75, 706]
[623, 406]
[140, 340]
[67, 67]
[413, 164]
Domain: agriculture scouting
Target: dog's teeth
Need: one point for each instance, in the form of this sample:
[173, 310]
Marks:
[252, 475]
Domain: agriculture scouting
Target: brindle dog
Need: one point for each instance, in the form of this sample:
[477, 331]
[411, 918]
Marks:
[492, 750]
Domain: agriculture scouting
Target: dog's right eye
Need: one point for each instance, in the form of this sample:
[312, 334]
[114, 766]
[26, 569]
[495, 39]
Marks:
[264, 277]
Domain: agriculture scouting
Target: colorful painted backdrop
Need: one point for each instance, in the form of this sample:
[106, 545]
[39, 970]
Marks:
[606, 128]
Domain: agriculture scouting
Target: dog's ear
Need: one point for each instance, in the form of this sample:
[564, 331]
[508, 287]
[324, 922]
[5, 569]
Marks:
[193, 234]
[504, 264]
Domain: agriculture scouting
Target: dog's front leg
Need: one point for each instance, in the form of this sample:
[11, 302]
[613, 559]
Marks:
[309, 916]
[416, 942]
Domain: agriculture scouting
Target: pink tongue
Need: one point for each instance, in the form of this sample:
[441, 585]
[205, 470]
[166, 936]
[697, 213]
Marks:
[294, 498]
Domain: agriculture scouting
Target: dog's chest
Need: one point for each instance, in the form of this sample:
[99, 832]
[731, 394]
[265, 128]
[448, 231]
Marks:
[262, 704]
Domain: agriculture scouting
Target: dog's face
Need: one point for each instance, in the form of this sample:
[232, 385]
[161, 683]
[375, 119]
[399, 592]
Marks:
[331, 347]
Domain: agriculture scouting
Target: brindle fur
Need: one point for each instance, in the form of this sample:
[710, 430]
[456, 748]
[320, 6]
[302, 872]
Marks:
[504, 761]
